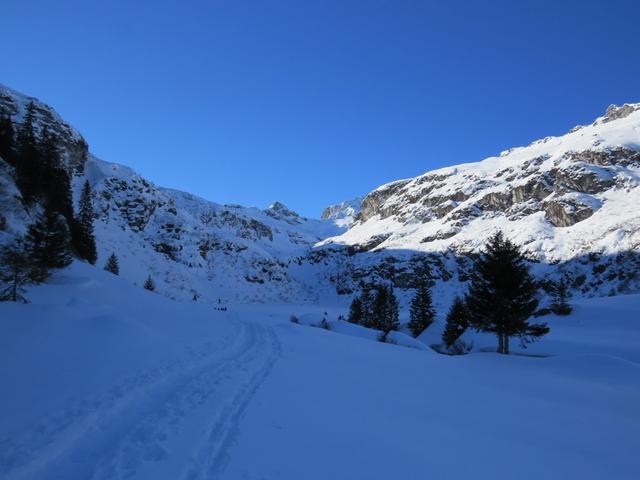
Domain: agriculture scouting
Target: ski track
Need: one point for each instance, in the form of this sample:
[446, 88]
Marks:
[177, 420]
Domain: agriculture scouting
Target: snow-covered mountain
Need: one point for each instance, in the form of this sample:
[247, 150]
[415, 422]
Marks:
[343, 213]
[570, 201]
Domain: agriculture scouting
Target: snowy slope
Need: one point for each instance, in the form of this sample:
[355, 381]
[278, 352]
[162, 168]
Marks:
[105, 381]
[569, 201]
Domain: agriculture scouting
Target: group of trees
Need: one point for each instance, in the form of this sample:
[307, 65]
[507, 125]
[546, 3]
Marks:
[376, 307]
[45, 185]
[502, 297]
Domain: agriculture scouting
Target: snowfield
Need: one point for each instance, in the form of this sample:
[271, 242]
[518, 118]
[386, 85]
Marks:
[101, 380]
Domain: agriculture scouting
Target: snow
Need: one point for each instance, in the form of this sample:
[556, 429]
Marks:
[102, 380]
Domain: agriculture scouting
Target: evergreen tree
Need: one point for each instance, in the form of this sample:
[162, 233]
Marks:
[83, 238]
[385, 310]
[55, 182]
[456, 323]
[113, 267]
[561, 295]
[15, 272]
[421, 312]
[149, 284]
[28, 168]
[355, 311]
[502, 295]
[366, 304]
[7, 139]
[48, 243]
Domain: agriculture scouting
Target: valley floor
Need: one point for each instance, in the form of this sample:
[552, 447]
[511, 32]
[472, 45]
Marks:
[104, 381]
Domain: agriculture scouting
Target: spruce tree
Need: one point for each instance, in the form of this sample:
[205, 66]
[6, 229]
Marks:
[421, 312]
[561, 295]
[149, 284]
[385, 310]
[113, 267]
[55, 182]
[83, 238]
[15, 272]
[48, 243]
[366, 304]
[355, 311]
[7, 139]
[28, 167]
[503, 294]
[456, 323]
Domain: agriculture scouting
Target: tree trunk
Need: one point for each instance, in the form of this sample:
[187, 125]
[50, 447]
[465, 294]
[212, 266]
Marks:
[500, 343]
[506, 345]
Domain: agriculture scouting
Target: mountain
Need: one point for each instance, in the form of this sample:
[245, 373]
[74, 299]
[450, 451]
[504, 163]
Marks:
[193, 248]
[343, 213]
[570, 201]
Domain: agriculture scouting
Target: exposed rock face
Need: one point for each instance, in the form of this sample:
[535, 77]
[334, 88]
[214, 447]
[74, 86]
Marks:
[74, 147]
[570, 201]
[561, 198]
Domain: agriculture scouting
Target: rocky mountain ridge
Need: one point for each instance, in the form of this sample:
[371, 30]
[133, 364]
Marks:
[570, 201]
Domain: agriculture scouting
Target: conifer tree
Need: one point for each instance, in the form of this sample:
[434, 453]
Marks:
[83, 238]
[15, 272]
[456, 323]
[149, 284]
[366, 304]
[355, 311]
[421, 312]
[113, 267]
[48, 244]
[7, 139]
[55, 182]
[503, 294]
[385, 310]
[561, 294]
[28, 168]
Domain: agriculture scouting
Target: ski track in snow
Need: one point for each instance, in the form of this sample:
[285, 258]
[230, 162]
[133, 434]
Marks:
[177, 420]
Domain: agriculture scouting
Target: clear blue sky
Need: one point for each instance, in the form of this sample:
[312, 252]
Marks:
[312, 102]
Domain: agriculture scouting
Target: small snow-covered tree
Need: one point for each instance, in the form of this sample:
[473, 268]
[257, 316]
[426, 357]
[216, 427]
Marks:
[15, 271]
[561, 295]
[83, 238]
[112, 264]
[48, 243]
[421, 312]
[149, 284]
[355, 311]
[456, 323]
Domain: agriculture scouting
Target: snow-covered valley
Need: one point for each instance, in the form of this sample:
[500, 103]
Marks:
[102, 381]
[209, 377]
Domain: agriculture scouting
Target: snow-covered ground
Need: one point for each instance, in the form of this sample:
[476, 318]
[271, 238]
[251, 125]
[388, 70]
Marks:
[102, 380]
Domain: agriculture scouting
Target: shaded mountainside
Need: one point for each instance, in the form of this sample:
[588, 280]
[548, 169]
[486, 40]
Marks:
[570, 201]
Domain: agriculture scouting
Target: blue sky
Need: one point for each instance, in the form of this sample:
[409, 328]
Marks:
[313, 102]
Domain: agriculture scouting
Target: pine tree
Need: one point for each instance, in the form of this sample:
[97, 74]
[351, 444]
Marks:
[55, 182]
[502, 295]
[355, 311]
[15, 272]
[48, 243]
[7, 139]
[149, 284]
[561, 295]
[456, 323]
[421, 312]
[83, 238]
[366, 304]
[113, 267]
[385, 310]
[28, 168]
